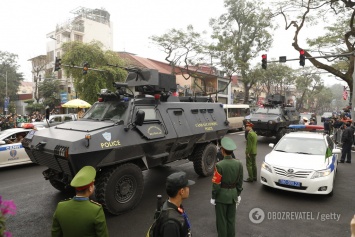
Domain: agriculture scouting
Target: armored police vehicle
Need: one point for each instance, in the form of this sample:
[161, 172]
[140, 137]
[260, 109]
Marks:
[273, 118]
[135, 128]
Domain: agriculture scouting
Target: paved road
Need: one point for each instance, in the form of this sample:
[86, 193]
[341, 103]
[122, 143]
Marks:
[36, 201]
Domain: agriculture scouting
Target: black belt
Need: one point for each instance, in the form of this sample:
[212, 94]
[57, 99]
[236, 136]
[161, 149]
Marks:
[224, 185]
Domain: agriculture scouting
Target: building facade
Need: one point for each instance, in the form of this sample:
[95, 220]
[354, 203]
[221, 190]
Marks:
[87, 25]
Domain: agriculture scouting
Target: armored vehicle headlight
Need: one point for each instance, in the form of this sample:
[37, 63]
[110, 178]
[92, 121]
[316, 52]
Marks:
[103, 91]
[271, 121]
[61, 151]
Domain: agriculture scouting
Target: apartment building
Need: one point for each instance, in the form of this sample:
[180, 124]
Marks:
[86, 26]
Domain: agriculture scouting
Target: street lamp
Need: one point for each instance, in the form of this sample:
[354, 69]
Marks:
[6, 98]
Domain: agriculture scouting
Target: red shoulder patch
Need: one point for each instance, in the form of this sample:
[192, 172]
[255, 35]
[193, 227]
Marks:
[217, 177]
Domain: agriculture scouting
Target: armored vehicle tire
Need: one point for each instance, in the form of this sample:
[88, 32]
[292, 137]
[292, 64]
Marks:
[120, 188]
[204, 158]
[280, 133]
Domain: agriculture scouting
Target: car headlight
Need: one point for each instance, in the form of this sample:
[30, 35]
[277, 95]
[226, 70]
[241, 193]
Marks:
[266, 166]
[321, 173]
[271, 121]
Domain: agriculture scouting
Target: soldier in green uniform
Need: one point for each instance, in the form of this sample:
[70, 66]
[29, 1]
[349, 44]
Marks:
[250, 152]
[80, 216]
[227, 184]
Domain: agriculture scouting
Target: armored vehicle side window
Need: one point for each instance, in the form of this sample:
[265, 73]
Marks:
[149, 113]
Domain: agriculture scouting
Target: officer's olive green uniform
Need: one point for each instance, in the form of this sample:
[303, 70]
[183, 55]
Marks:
[79, 217]
[226, 187]
[250, 152]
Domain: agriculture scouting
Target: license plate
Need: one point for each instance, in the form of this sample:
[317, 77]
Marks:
[290, 183]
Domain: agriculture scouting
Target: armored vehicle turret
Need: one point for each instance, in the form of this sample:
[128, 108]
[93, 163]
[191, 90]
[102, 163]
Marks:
[274, 117]
[137, 127]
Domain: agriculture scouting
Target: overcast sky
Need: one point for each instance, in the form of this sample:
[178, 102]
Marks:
[25, 23]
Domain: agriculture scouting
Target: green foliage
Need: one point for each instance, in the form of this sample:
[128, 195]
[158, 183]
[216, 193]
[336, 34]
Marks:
[87, 86]
[49, 90]
[8, 65]
[241, 34]
[34, 107]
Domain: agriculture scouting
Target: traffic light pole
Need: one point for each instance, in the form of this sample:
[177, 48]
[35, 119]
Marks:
[325, 56]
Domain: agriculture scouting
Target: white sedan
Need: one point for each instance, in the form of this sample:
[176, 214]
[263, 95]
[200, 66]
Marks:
[304, 162]
[14, 153]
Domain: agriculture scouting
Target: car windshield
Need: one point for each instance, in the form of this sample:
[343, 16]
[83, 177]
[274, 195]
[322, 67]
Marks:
[327, 114]
[301, 145]
[114, 111]
[305, 115]
[268, 111]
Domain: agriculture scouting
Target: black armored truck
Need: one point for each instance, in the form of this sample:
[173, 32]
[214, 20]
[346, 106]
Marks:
[139, 126]
[274, 117]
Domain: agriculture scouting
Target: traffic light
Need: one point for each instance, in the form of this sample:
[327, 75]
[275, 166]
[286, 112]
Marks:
[57, 64]
[264, 61]
[302, 58]
[85, 68]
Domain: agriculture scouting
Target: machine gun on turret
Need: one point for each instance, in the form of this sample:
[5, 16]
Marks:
[274, 100]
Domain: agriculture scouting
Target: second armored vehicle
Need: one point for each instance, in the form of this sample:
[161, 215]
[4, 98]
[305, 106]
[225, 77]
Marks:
[273, 118]
[135, 128]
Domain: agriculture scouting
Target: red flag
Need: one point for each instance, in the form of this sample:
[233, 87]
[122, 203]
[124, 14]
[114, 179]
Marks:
[345, 94]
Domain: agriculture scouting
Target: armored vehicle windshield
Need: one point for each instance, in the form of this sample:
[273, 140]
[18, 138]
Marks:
[268, 111]
[112, 110]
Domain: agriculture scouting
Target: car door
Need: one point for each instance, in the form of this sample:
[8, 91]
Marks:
[13, 154]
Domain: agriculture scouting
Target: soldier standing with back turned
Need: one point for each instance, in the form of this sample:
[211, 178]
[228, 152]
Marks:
[227, 184]
[80, 216]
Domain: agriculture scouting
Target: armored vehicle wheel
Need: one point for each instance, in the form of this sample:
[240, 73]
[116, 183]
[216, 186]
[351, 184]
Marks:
[60, 185]
[280, 133]
[204, 158]
[120, 188]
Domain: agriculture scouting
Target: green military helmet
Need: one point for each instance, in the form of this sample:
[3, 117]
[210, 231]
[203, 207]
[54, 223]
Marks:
[84, 177]
[228, 144]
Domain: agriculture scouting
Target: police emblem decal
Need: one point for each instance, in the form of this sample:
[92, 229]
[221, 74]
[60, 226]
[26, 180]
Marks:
[107, 136]
[13, 153]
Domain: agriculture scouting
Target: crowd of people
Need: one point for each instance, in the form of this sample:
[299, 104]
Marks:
[15, 120]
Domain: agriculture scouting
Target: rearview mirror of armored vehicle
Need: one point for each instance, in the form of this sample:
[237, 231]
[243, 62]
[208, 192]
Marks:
[139, 118]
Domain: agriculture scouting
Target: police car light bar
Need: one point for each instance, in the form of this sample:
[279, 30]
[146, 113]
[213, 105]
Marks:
[302, 126]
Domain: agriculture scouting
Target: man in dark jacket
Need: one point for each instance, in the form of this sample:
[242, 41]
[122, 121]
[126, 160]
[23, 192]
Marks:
[173, 221]
[347, 141]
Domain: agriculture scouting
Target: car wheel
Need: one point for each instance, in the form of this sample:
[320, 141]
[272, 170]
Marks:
[280, 133]
[204, 158]
[120, 189]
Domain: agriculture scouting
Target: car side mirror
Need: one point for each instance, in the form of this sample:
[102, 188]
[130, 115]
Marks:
[139, 117]
[271, 145]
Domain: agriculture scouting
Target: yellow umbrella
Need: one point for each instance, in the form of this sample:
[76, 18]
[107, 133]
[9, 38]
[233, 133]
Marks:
[76, 103]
